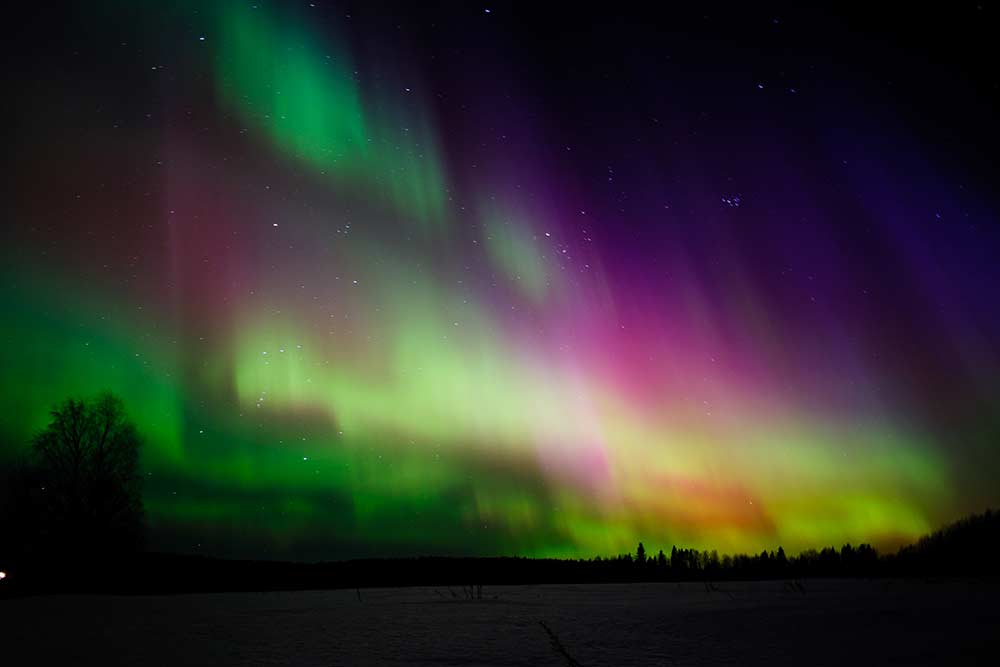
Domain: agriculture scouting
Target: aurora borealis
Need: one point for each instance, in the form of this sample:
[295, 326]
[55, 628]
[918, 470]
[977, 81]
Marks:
[375, 280]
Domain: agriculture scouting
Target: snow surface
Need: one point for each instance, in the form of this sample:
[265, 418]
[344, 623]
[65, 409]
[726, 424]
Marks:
[745, 623]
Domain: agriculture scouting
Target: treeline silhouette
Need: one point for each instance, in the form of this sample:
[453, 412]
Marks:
[960, 549]
[72, 519]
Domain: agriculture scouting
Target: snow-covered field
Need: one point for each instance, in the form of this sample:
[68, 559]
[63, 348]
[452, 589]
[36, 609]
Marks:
[766, 623]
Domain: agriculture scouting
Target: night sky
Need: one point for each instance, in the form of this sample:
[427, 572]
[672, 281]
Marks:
[510, 279]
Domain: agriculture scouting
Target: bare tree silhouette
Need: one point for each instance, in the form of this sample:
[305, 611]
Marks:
[86, 489]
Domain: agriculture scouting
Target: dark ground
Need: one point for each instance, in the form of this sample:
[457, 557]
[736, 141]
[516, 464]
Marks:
[828, 622]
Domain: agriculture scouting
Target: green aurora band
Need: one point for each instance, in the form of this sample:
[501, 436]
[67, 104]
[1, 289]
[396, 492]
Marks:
[347, 353]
